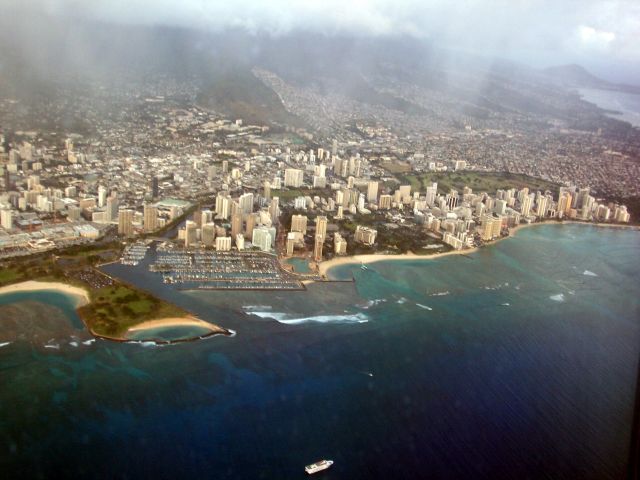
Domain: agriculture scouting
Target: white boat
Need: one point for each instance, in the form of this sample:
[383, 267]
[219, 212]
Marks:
[318, 466]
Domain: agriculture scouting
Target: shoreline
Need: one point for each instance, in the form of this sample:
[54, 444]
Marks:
[366, 259]
[187, 321]
[81, 295]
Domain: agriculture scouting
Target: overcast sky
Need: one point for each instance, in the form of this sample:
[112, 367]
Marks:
[538, 32]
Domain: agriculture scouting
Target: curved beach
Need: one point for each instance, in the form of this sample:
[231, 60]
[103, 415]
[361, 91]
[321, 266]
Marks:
[80, 294]
[174, 322]
[324, 267]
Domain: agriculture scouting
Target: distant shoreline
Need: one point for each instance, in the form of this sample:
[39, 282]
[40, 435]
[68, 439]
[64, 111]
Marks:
[366, 259]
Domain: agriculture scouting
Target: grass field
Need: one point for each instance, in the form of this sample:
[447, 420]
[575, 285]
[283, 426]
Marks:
[114, 309]
[478, 181]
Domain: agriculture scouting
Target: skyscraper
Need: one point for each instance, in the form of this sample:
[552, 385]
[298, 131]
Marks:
[111, 212]
[236, 224]
[150, 218]
[246, 202]
[321, 226]
[266, 189]
[372, 192]
[154, 187]
[299, 224]
[125, 222]
[317, 248]
[293, 177]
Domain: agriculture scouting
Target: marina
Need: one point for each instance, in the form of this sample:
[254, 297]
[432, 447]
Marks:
[134, 253]
[209, 270]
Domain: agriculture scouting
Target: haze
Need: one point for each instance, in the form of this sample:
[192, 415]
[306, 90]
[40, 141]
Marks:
[601, 36]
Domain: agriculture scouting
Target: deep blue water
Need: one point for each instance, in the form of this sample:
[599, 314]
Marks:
[516, 362]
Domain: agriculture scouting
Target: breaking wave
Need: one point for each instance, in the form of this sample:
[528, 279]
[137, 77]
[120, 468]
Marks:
[4, 344]
[424, 306]
[286, 318]
[373, 303]
[589, 273]
[439, 294]
[557, 298]
[257, 307]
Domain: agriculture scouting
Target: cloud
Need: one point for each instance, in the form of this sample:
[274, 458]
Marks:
[593, 38]
[553, 27]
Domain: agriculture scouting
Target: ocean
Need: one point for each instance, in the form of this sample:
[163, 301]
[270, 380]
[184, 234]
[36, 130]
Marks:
[516, 361]
[627, 104]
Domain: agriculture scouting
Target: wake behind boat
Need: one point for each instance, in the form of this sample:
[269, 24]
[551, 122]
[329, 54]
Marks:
[318, 466]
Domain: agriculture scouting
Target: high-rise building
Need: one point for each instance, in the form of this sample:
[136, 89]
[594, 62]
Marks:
[125, 222]
[262, 238]
[239, 241]
[236, 224]
[321, 226]
[405, 193]
[526, 204]
[7, 180]
[208, 234]
[293, 177]
[73, 213]
[102, 196]
[299, 224]
[223, 206]
[266, 189]
[246, 203]
[339, 244]
[291, 243]
[223, 244]
[190, 233]
[385, 202]
[6, 219]
[431, 194]
[274, 209]
[111, 212]
[542, 207]
[372, 192]
[365, 235]
[317, 248]
[155, 190]
[621, 214]
[150, 219]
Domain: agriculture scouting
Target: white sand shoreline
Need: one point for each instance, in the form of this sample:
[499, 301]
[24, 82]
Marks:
[324, 267]
[81, 295]
[173, 322]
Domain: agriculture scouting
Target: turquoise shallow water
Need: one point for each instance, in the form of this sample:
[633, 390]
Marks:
[516, 362]
[300, 265]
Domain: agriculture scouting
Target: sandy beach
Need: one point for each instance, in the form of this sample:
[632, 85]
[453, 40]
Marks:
[379, 257]
[366, 259]
[174, 322]
[80, 294]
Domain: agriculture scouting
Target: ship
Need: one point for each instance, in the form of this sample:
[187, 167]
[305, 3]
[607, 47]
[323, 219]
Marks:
[318, 466]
